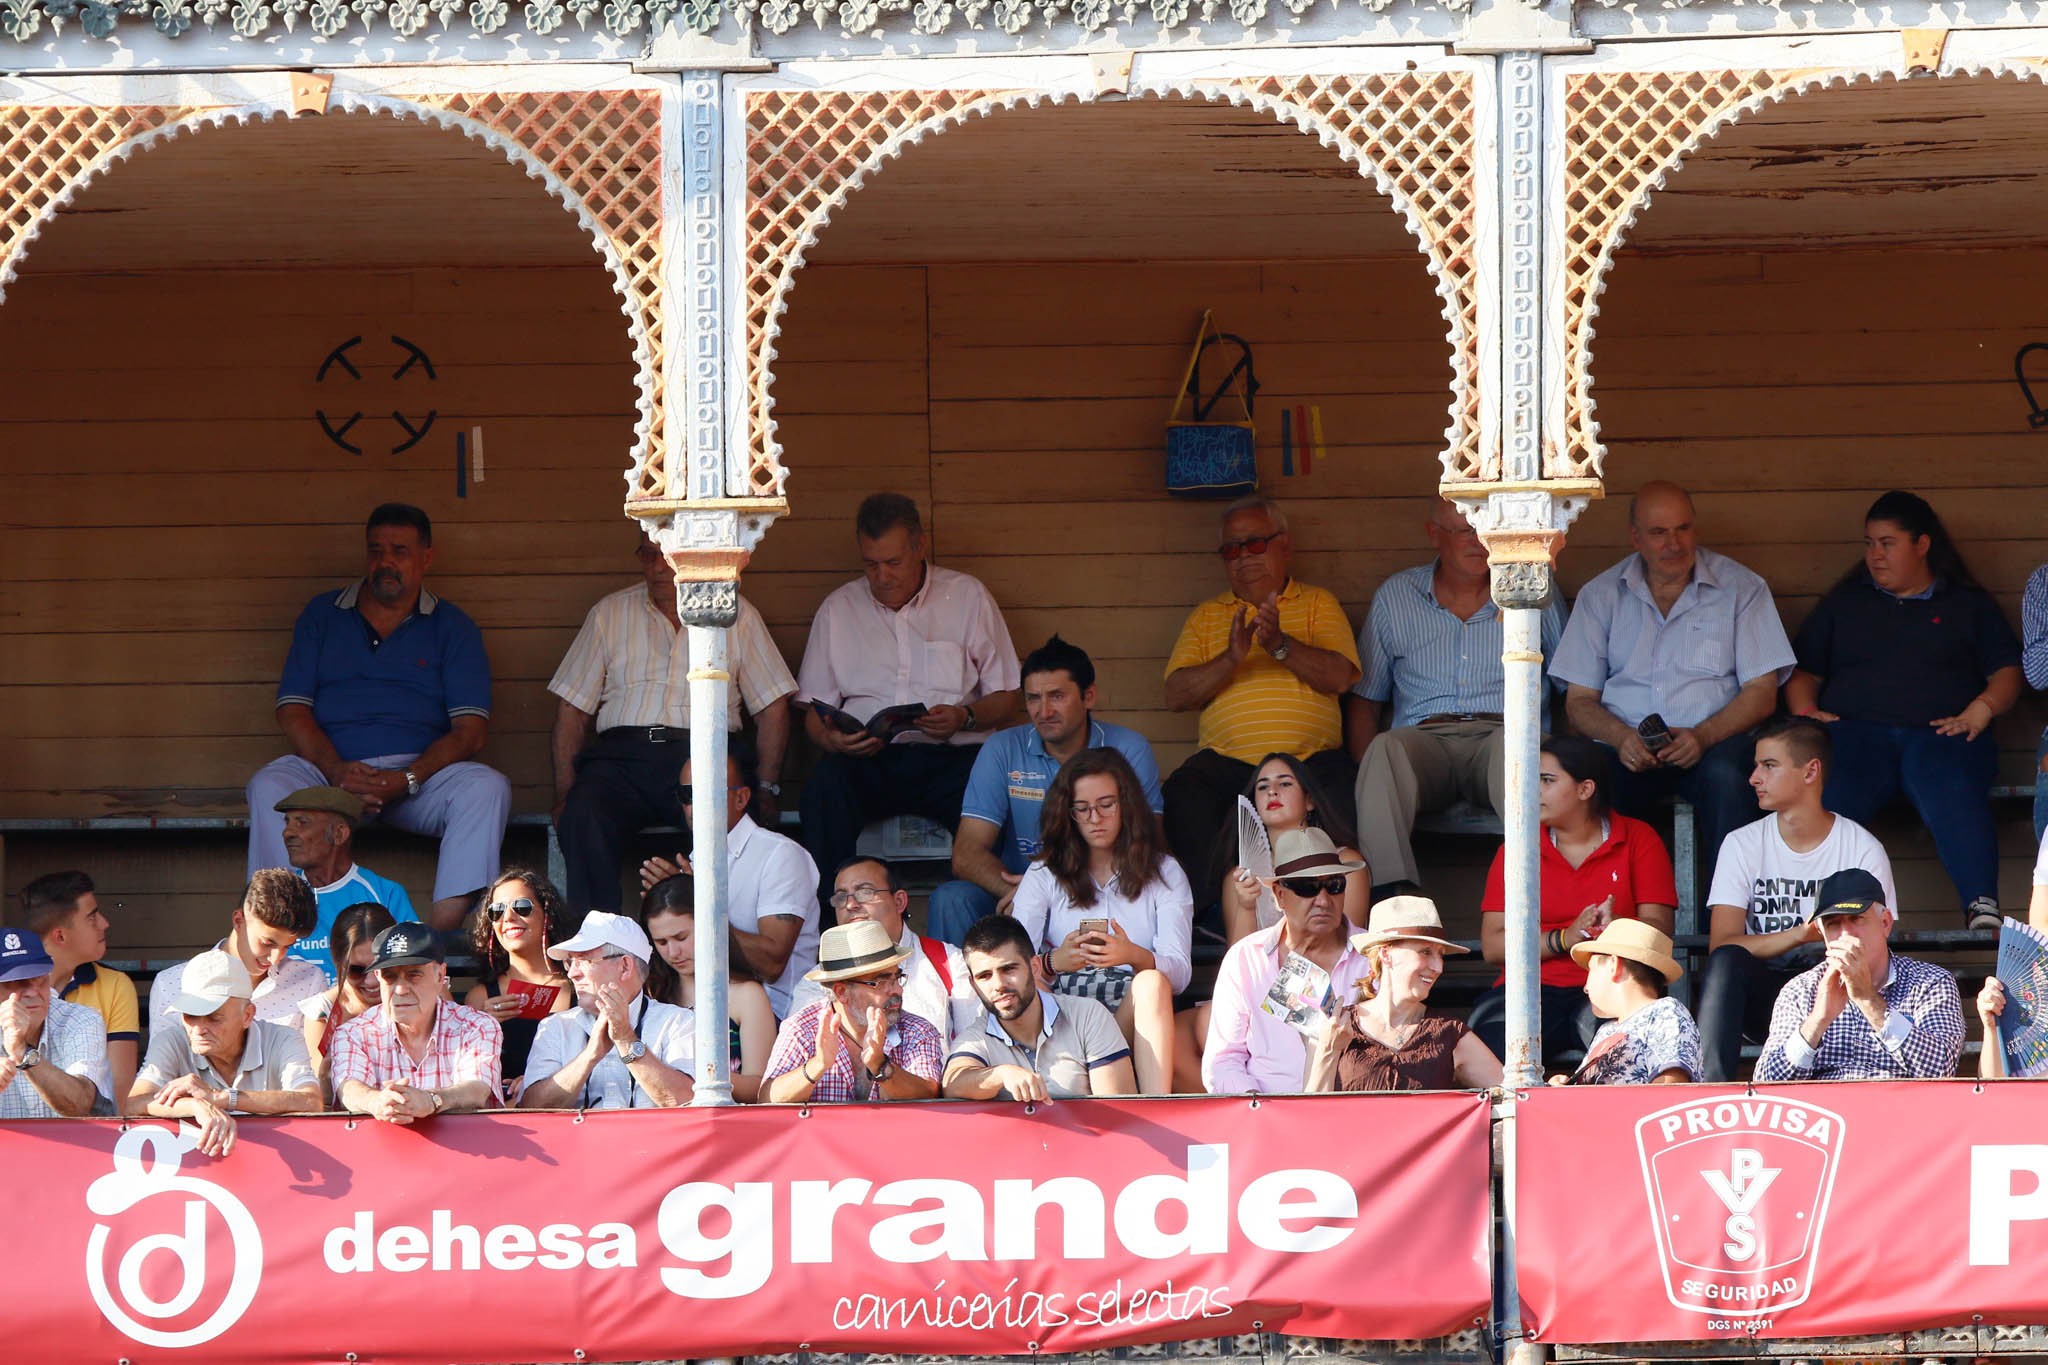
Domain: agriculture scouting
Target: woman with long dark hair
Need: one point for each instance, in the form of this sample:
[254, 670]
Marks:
[668, 912]
[1908, 661]
[1594, 865]
[1287, 796]
[355, 987]
[518, 984]
[1108, 909]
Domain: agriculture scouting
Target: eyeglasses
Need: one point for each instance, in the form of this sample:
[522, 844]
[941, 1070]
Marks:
[866, 895]
[879, 983]
[1102, 809]
[358, 973]
[522, 907]
[1234, 550]
[689, 791]
[1307, 887]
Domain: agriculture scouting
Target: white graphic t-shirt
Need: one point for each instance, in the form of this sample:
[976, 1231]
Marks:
[1776, 887]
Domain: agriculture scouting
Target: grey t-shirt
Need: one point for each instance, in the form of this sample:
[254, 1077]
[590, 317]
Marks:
[274, 1057]
[1077, 1036]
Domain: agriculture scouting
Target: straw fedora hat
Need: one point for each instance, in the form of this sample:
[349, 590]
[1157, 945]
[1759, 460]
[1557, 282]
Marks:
[1635, 940]
[1405, 918]
[1308, 852]
[862, 948]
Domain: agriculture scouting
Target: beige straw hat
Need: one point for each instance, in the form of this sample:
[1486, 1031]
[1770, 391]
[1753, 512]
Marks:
[1405, 918]
[1635, 940]
[862, 948]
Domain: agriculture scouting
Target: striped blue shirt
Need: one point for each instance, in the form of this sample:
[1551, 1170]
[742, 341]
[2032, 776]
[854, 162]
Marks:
[1723, 631]
[1428, 661]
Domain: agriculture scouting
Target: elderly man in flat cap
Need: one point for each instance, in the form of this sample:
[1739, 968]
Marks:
[223, 1061]
[418, 1053]
[858, 1045]
[319, 840]
[620, 1048]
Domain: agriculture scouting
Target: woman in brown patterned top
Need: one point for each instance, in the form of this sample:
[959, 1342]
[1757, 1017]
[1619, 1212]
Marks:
[1390, 1039]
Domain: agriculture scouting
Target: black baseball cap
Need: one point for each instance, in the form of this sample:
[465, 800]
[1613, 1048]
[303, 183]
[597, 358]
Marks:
[1848, 892]
[405, 945]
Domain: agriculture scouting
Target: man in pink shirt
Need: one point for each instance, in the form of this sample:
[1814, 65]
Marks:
[906, 632]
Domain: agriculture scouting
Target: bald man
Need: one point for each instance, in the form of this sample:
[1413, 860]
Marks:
[1689, 637]
[1431, 651]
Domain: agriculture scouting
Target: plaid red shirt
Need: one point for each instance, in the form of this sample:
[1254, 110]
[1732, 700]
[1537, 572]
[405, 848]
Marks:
[463, 1047]
[913, 1045]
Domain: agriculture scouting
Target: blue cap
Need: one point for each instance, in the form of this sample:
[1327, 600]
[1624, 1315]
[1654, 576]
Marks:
[22, 957]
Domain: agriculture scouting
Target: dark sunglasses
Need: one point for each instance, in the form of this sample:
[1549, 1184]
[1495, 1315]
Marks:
[1307, 887]
[1233, 550]
[522, 907]
[357, 973]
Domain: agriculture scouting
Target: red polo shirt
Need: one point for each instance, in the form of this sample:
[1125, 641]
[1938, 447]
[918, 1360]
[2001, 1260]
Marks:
[1631, 866]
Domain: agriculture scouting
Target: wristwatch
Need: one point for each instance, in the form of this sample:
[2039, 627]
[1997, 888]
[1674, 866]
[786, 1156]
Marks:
[633, 1051]
[1286, 648]
[772, 788]
[412, 784]
[439, 1103]
[230, 1098]
[30, 1060]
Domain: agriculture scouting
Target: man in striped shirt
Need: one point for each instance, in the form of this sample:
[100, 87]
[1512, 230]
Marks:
[1431, 647]
[626, 676]
[1264, 663]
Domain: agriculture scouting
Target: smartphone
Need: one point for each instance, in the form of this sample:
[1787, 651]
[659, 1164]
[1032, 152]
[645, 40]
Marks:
[1095, 926]
[1653, 732]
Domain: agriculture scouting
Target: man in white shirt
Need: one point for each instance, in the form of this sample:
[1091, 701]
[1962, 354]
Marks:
[626, 676]
[1763, 929]
[934, 975]
[771, 889]
[906, 632]
[277, 910]
[619, 1048]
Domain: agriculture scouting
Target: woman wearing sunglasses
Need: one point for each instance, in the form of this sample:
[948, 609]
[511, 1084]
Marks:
[668, 912]
[1277, 985]
[518, 984]
[1389, 1038]
[356, 988]
[1107, 909]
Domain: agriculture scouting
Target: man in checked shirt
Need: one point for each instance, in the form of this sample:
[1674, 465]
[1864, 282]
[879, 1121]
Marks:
[417, 1054]
[1865, 1013]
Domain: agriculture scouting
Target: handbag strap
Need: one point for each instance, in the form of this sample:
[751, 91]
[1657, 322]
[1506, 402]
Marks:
[1245, 394]
[1187, 378]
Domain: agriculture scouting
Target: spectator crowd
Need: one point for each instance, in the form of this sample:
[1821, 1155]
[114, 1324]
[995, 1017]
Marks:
[1063, 957]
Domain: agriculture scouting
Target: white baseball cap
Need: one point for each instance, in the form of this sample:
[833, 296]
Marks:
[210, 981]
[602, 929]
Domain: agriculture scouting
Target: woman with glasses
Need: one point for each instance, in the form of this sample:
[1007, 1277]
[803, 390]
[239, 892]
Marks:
[1107, 907]
[1278, 985]
[518, 984]
[355, 989]
[668, 912]
[1389, 1038]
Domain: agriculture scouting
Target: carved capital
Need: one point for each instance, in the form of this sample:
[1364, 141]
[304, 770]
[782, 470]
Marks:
[708, 604]
[1518, 583]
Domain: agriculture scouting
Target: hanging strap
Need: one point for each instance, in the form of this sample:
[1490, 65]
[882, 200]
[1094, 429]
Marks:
[1191, 381]
[935, 953]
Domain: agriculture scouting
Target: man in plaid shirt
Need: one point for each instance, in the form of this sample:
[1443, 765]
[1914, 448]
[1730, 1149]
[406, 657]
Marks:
[416, 1054]
[1864, 1013]
[858, 1045]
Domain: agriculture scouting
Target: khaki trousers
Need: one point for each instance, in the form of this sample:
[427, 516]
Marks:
[1423, 768]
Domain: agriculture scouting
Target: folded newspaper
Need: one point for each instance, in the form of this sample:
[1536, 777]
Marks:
[2023, 969]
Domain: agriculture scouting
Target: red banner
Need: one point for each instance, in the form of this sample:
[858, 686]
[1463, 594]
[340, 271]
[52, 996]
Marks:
[642, 1235]
[1671, 1213]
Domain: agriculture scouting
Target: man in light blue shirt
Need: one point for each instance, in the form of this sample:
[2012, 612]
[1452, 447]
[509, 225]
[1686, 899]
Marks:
[1686, 635]
[1431, 646]
[1006, 789]
[319, 841]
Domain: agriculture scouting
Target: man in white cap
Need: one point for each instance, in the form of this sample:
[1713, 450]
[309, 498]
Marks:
[53, 1054]
[224, 1060]
[417, 1054]
[619, 1048]
[858, 1045]
[1649, 1038]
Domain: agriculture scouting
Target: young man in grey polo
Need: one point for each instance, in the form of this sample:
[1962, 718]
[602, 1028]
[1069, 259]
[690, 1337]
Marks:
[221, 1059]
[1015, 1041]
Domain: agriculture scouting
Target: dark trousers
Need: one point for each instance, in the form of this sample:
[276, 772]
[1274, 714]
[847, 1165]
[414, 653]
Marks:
[1568, 1020]
[1946, 777]
[843, 795]
[1201, 811]
[1717, 788]
[624, 782]
[1737, 991]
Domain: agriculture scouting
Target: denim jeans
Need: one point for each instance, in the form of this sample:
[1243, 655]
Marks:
[1717, 788]
[1946, 777]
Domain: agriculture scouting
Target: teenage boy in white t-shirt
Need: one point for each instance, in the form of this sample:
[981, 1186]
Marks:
[1762, 933]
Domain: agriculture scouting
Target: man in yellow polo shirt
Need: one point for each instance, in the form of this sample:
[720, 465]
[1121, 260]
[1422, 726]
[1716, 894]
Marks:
[1265, 663]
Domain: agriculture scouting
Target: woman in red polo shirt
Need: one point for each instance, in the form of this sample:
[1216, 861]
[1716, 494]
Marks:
[1595, 865]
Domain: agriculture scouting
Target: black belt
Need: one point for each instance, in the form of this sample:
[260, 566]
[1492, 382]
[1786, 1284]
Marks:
[646, 734]
[1461, 718]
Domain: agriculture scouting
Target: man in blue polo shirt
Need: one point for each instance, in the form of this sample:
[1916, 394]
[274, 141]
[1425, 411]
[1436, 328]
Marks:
[319, 839]
[387, 694]
[1007, 786]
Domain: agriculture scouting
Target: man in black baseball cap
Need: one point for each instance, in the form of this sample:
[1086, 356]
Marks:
[1864, 1013]
[417, 1054]
[53, 1054]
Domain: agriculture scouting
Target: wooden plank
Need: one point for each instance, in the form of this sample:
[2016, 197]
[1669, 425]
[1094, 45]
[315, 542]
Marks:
[229, 656]
[495, 601]
[854, 313]
[1139, 423]
[272, 498]
[1138, 473]
[1153, 370]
